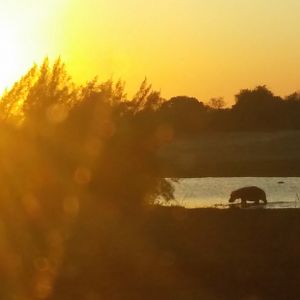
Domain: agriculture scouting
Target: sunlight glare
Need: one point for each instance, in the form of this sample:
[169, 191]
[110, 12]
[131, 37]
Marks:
[27, 36]
[12, 56]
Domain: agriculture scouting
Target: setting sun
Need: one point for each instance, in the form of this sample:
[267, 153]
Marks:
[27, 36]
[12, 54]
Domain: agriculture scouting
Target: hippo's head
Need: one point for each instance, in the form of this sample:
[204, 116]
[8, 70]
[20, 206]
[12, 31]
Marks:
[233, 197]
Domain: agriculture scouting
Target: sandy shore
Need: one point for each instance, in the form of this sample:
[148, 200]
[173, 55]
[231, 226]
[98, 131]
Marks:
[174, 253]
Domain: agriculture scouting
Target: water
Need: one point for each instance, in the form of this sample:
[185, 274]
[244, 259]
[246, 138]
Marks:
[215, 192]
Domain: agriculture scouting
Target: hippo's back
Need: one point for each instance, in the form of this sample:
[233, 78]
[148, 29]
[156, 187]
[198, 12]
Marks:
[251, 192]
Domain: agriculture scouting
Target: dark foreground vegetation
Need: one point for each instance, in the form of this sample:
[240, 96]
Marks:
[174, 253]
[80, 169]
[66, 153]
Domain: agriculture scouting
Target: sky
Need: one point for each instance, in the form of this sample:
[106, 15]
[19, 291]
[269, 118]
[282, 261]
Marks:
[196, 48]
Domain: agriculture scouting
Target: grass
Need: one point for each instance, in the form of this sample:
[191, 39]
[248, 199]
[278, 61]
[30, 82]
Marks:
[174, 253]
[234, 154]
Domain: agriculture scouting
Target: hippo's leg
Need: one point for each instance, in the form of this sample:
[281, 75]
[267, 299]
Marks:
[264, 199]
[244, 202]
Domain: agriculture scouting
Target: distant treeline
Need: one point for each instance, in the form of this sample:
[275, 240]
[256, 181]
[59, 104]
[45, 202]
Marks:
[254, 110]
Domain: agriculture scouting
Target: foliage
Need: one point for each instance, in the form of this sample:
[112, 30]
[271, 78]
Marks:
[93, 127]
[217, 103]
[254, 109]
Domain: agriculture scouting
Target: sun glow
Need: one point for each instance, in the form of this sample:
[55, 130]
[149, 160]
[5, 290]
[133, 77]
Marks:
[12, 56]
[27, 35]
[193, 47]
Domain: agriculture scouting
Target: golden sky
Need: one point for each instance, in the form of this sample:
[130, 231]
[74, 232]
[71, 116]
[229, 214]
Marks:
[184, 47]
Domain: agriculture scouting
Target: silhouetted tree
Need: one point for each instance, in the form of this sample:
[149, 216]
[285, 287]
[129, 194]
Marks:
[257, 109]
[12, 100]
[216, 103]
[186, 115]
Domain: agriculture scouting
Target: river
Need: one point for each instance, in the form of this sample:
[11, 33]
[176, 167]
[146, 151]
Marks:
[215, 192]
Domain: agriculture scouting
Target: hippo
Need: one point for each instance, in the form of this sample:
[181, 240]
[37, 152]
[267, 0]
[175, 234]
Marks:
[249, 193]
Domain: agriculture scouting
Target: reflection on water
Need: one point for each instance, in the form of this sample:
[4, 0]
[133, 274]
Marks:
[214, 192]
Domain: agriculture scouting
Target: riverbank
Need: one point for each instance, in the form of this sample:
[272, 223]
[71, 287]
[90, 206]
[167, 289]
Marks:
[175, 253]
[233, 154]
[212, 192]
